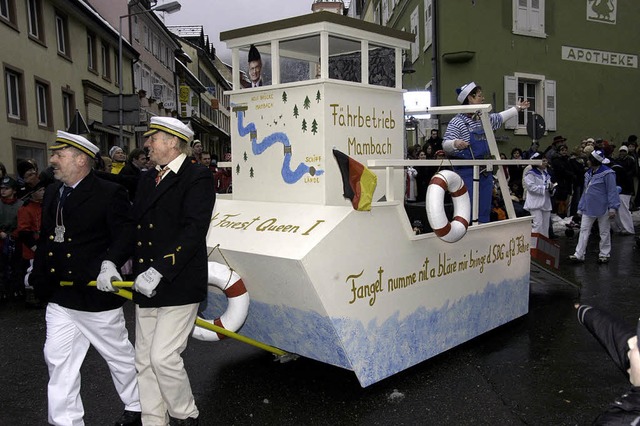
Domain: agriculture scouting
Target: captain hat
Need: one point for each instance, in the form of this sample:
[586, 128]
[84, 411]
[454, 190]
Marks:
[464, 91]
[65, 140]
[170, 125]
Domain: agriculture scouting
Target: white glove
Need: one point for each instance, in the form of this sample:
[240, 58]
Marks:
[108, 273]
[147, 282]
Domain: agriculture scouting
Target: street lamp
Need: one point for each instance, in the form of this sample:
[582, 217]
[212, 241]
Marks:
[171, 7]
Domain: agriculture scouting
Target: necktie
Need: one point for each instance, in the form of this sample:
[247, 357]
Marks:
[161, 173]
[66, 190]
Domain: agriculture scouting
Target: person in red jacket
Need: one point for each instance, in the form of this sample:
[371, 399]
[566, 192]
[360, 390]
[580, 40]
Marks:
[28, 231]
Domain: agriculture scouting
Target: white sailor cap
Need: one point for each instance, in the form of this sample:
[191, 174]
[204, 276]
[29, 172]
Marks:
[65, 140]
[599, 155]
[170, 125]
[464, 91]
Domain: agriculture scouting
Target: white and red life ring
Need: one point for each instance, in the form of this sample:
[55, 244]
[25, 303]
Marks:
[447, 180]
[232, 286]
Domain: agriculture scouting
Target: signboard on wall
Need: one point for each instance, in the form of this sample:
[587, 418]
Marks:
[602, 11]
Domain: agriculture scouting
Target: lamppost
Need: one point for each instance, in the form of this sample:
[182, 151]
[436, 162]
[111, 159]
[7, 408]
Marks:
[171, 7]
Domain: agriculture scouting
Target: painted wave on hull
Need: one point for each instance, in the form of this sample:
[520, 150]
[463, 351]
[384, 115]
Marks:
[376, 350]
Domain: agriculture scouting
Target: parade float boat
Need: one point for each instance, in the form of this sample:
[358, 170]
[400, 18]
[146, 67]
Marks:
[355, 289]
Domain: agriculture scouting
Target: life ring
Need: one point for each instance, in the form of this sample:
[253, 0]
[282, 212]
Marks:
[232, 286]
[447, 180]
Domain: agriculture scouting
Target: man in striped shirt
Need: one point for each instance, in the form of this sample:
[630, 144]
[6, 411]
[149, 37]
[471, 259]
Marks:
[465, 139]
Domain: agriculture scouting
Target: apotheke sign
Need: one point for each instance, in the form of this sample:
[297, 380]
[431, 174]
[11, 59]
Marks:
[599, 57]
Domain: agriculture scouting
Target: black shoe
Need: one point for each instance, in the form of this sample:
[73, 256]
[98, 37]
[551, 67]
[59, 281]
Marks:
[190, 421]
[129, 418]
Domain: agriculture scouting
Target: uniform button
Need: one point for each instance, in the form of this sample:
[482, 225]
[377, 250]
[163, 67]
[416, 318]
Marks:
[139, 243]
[150, 243]
[68, 255]
[151, 226]
[151, 260]
[138, 227]
[140, 260]
[52, 270]
[68, 239]
[51, 237]
[50, 254]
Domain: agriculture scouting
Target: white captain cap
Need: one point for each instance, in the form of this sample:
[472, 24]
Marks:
[170, 125]
[65, 140]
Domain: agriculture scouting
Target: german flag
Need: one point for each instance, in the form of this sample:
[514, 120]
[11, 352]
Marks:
[358, 182]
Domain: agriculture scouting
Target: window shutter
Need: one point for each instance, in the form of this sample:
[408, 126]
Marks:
[428, 23]
[415, 29]
[550, 104]
[510, 99]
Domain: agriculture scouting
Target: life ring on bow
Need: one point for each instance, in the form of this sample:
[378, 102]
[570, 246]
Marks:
[447, 180]
[232, 286]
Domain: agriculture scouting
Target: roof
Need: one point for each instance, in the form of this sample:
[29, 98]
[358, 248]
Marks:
[316, 18]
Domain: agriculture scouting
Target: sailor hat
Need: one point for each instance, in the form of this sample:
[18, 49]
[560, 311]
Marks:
[65, 140]
[464, 91]
[169, 125]
[599, 155]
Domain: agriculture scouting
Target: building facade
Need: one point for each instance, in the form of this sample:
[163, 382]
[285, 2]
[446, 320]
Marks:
[207, 110]
[576, 62]
[58, 56]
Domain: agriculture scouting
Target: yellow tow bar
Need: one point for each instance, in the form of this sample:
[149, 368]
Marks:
[121, 285]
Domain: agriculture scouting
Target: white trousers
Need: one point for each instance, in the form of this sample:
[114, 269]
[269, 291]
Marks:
[624, 221]
[161, 336]
[540, 223]
[69, 334]
[604, 226]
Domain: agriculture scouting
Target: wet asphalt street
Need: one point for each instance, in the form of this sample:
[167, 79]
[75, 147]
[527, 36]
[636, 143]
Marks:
[541, 369]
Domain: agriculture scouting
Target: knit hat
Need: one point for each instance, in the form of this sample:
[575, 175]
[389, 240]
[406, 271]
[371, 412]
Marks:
[24, 167]
[113, 150]
[194, 142]
[169, 125]
[464, 91]
[66, 140]
[9, 182]
[623, 148]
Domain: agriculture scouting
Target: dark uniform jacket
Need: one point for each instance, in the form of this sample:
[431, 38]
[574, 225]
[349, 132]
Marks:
[172, 220]
[98, 226]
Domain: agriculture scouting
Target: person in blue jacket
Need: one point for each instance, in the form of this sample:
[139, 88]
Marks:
[600, 201]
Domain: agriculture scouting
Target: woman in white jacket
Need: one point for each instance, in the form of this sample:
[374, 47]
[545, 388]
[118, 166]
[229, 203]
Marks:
[537, 183]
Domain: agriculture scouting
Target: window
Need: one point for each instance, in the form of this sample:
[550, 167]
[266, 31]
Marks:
[15, 95]
[117, 62]
[34, 13]
[68, 108]
[43, 103]
[62, 35]
[385, 12]
[415, 29]
[136, 29]
[541, 94]
[146, 83]
[376, 14]
[92, 60]
[106, 64]
[8, 11]
[528, 18]
[428, 23]
[147, 38]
